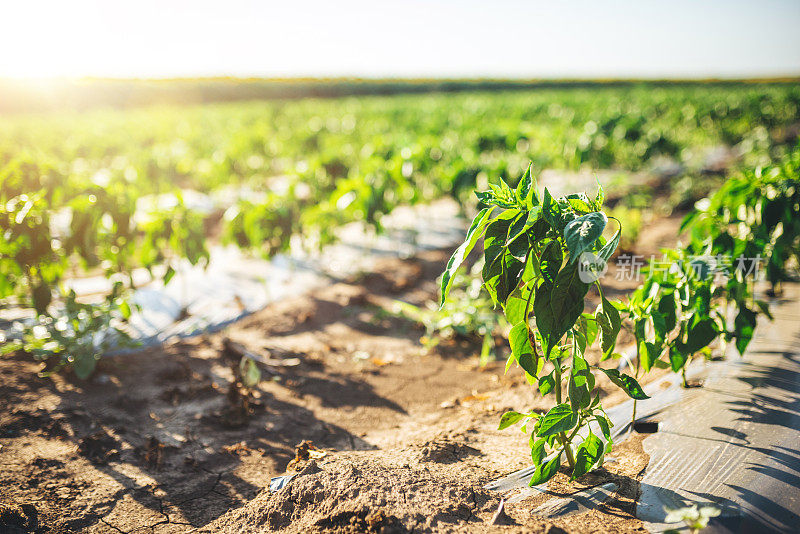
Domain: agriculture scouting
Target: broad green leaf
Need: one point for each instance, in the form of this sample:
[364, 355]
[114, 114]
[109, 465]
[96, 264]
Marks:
[649, 353]
[589, 453]
[609, 323]
[744, 325]
[546, 471]
[560, 418]
[550, 262]
[546, 384]
[531, 364]
[475, 231]
[537, 450]
[551, 211]
[581, 233]
[557, 310]
[700, 335]
[666, 307]
[510, 418]
[627, 383]
[677, 358]
[581, 383]
[519, 340]
[608, 249]
[495, 243]
[589, 326]
[514, 310]
[490, 198]
[580, 203]
[526, 189]
[504, 277]
[605, 426]
[659, 324]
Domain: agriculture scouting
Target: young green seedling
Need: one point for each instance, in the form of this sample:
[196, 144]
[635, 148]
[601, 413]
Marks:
[542, 254]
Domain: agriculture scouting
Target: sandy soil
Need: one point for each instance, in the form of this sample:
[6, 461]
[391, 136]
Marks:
[162, 441]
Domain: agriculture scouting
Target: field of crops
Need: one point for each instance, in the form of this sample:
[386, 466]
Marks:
[110, 191]
[303, 167]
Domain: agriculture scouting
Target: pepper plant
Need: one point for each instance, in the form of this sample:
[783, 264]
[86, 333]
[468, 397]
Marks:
[541, 256]
[754, 217]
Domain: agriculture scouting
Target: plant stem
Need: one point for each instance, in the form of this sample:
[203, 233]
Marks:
[562, 437]
[638, 362]
[683, 377]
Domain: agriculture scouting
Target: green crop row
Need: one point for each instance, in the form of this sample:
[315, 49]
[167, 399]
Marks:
[102, 191]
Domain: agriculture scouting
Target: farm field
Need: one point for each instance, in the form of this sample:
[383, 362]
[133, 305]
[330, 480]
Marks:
[383, 405]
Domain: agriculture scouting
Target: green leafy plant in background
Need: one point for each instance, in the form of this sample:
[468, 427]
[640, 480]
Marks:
[680, 311]
[468, 312]
[77, 336]
[755, 214]
[695, 517]
[534, 269]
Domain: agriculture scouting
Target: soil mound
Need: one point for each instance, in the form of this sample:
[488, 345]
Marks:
[361, 492]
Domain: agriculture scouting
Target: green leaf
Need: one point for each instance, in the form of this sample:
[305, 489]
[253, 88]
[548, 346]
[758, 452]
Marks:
[475, 230]
[526, 190]
[551, 211]
[589, 326]
[546, 471]
[601, 197]
[677, 358]
[84, 365]
[744, 325]
[509, 278]
[537, 450]
[249, 372]
[530, 364]
[581, 233]
[764, 307]
[649, 353]
[514, 310]
[560, 418]
[589, 453]
[666, 307]
[627, 383]
[581, 383]
[700, 335]
[490, 198]
[557, 310]
[168, 275]
[519, 340]
[510, 418]
[608, 249]
[604, 425]
[550, 262]
[580, 203]
[546, 384]
[609, 324]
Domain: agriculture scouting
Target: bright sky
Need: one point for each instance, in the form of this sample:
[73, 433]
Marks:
[171, 38]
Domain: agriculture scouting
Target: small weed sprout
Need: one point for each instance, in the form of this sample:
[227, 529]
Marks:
[695, 517]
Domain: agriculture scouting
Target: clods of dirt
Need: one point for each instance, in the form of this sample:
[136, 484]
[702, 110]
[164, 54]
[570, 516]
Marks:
[99, 447]
[362, 492]
[443, 451]
[18, 519]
